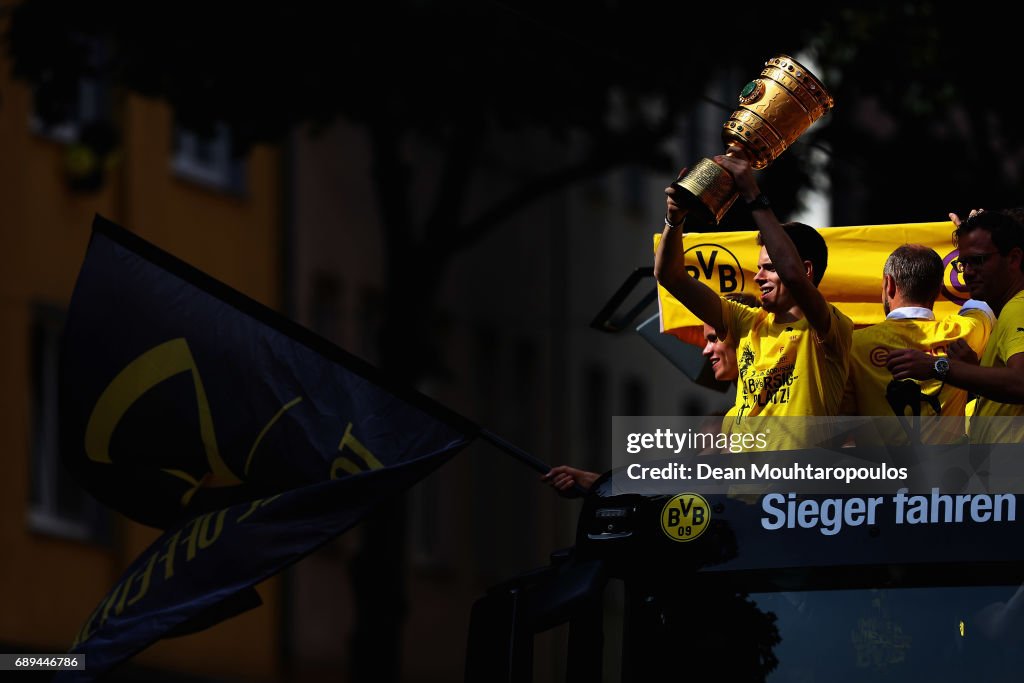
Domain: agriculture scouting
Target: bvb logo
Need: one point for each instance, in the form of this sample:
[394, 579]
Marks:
[716, 266]
[685, 517]
[953, 288]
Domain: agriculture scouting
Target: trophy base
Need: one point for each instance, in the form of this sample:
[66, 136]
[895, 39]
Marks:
[711, 188]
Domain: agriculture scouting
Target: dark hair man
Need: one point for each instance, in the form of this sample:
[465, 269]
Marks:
[911, 281]
[991, 258]
[792, 353]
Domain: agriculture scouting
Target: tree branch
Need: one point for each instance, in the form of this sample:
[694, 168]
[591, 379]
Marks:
[390, 179]
[624, 148]
[456, 177]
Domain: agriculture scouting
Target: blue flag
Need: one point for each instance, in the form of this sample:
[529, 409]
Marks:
[250, 440]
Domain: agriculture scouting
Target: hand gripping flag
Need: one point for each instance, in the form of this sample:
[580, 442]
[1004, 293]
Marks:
[250, 440]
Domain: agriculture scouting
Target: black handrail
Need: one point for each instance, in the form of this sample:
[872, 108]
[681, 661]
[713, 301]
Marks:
[606, 321]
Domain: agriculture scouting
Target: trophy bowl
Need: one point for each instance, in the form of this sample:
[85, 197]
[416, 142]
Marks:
[774, 110]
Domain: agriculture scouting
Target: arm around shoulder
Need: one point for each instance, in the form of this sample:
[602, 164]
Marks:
[1003, 385]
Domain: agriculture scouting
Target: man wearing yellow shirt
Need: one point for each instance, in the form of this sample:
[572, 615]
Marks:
[792, 353]
[911, 281]
[991, 259]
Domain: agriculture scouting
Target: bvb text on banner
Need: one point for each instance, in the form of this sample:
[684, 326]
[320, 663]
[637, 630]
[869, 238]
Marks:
[727, 262]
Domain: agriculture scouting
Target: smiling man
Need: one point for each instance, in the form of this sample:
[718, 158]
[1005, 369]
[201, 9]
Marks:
[991, 258]
[792, 353]
[722, 356]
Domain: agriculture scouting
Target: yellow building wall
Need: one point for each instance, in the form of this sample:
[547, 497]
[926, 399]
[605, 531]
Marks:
[48, 585]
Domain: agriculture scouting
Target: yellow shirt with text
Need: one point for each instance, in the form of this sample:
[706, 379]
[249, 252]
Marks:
[784, 368]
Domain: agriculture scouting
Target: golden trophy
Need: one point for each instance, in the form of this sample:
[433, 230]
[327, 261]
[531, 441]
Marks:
[775, 109]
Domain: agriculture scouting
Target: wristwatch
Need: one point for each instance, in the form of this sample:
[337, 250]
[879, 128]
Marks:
[941, 368]
[759, 202]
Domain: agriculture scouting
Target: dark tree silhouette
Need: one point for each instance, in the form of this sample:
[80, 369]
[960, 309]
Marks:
[930, 109]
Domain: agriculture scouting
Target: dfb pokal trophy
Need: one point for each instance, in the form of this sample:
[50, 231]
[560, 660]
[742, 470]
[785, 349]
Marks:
[775, 109]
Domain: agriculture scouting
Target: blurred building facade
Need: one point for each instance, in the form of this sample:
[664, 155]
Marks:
[298, 230]
[184, 193]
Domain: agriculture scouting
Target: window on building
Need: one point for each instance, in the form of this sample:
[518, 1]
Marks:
[528, 392]
[63, 120]
[634, 397]
[486, 362]
[596, 418]
[208, 159]
[370, 320]
[57, 504]
[78, 113]
[429, 550]
[326, 306]
[634, 186]
[61, 111]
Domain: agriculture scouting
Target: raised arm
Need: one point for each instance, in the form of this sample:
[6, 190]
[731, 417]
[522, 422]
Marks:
[702, 301]
[792, 270]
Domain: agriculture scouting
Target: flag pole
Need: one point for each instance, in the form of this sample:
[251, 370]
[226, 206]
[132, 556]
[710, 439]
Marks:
[522, 456]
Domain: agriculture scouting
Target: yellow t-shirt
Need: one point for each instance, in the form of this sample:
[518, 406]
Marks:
[869, 377]
[1007, 340]
[784, 368]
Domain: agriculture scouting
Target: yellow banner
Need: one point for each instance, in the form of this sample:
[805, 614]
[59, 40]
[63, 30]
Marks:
[727, 262]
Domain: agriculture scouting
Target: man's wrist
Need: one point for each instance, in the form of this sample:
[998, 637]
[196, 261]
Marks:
[670, 224]
[759, 201]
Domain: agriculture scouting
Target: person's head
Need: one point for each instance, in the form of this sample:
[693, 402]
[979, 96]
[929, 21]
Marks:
[912, 276]
[813, 251]
[991, 246]
[721, 355]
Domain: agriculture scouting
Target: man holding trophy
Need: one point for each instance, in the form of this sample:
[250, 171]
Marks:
[792, 352]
